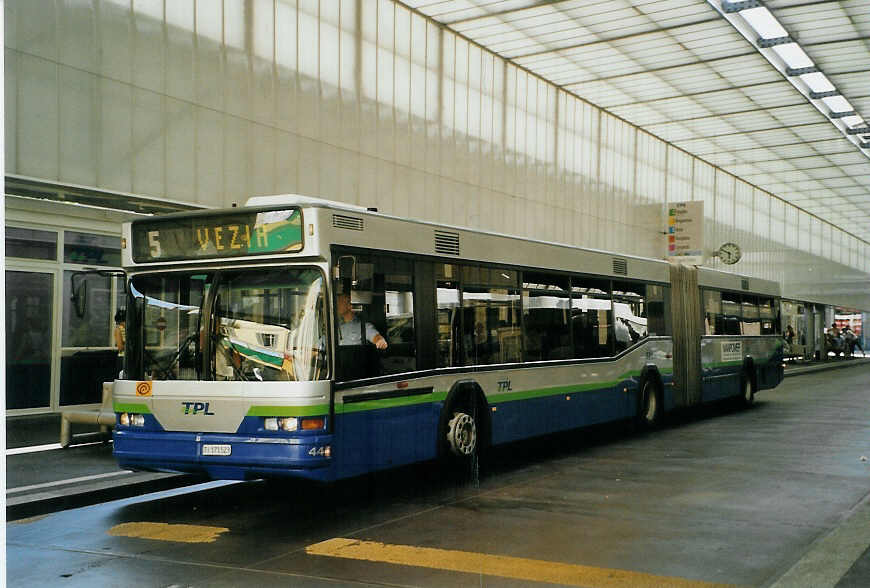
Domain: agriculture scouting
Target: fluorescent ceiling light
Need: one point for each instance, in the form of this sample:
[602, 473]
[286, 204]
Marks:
[837, 104]
[817, 82]
[793, 55]
[764, 23]
[852, 121]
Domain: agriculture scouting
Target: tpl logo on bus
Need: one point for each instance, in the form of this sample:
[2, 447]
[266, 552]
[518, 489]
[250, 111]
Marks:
[196, 408]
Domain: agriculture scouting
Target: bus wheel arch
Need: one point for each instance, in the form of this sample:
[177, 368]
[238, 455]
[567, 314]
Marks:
[465, 415]
[650, 398]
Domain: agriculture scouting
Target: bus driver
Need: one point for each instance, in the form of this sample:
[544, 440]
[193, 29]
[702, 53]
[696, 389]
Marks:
[350, 330]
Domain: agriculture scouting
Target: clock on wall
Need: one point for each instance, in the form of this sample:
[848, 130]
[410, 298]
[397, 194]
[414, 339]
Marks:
[729, 253]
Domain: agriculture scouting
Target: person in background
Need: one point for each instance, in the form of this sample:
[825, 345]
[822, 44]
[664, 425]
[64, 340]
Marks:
[789, 334]
[836, 340]
[789, 340]
[852, 340]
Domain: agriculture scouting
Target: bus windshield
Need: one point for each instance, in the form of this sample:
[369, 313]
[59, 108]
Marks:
[265, 324]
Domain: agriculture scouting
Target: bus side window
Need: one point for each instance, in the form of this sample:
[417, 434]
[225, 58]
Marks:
[400, 356]
[749, 324]
[767, 316]
[656, 312]
[730, 314]
[490, 316]
[713, 321]
[546, 316]
[630, 314]
[591, 317]
[447, 318]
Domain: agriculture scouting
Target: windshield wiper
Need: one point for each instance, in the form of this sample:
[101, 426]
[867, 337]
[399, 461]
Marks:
[165, 370]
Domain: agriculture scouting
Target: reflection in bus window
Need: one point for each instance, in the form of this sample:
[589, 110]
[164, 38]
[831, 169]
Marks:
[491, 316]
[163, 324]
[713, 312]
[658, 309]
[400, 355]
[767, 316]
[730, 319]
[591, 317]
[629, 312]
[749, 324]
[447, 317]
[546, 316]
[269, 325]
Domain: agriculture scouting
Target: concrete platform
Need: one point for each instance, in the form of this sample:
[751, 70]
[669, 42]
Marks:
[776, 495]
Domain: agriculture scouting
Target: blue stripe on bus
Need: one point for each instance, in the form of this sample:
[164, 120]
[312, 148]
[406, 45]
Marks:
[369, 440]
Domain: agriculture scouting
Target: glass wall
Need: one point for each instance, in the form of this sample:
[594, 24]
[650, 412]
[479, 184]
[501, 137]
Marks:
[370, 103]
[29, 308]
[60, 345]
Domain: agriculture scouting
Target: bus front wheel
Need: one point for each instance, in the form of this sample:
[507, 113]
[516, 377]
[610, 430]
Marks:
[462, 435]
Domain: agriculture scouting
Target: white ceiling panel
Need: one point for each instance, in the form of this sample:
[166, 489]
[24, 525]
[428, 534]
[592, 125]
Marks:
[681, 71]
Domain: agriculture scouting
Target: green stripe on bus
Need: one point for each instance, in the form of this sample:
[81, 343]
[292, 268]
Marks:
[280, 411]
[558, 390]
[390, 402]
[524, 395]
[137, 408]
[720, 364]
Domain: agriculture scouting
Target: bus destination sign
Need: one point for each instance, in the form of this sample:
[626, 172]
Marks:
[232, 234]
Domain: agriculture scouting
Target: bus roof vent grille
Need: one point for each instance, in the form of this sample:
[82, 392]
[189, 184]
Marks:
[620, 266]
[341, 221]
[447, 242]
[744, 284]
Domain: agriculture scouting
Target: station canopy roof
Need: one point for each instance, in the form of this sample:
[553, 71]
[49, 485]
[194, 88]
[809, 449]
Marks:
[697, 74]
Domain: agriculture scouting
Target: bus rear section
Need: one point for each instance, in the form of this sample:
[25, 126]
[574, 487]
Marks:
[727, 341]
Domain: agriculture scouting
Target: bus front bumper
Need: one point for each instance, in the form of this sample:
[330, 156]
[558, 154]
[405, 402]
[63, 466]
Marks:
[225, 456]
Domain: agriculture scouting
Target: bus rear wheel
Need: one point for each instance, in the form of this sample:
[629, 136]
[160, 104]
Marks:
[462, 435]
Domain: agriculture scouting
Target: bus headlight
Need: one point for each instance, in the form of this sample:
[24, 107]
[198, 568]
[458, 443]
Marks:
[281, 423]
[288, 423]
[131, 420]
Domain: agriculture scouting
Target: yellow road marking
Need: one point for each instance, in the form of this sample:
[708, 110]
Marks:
[517, 568]
[167, 532]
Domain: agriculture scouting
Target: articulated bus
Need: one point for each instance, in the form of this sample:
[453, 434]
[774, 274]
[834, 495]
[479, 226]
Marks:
[300, 337]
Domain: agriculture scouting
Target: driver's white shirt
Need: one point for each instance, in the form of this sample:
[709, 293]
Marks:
[350, 333]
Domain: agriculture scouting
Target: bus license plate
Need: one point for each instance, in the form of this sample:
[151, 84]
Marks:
[217, 449]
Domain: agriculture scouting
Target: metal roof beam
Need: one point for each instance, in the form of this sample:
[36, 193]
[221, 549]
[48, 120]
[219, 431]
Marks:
[766, 130]
[500, 13]
[663, 68]
[722, 116]
[703, 93]
[776, 146]
[612, 39]
[825, 155]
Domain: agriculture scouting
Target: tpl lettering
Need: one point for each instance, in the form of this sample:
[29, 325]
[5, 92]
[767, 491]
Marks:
[196, 408]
